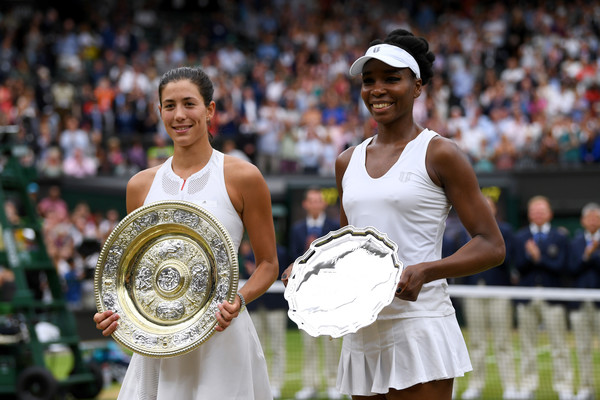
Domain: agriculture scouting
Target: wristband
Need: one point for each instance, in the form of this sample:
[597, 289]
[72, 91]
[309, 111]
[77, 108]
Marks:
[243, 302]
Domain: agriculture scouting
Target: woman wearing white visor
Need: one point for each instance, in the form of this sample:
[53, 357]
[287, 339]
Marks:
[403, 181]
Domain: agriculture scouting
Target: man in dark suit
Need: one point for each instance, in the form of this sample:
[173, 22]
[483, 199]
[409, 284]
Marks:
[541, 258]
[495, 314]
[303, 233]
[584, 266]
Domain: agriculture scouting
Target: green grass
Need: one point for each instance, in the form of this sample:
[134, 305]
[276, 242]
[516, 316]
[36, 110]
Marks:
[61, 364]
[493, 388]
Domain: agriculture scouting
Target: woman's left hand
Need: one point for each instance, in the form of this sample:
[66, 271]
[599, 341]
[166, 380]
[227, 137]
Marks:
[227, 312]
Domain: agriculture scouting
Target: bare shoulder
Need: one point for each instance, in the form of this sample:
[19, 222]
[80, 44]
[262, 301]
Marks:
[239, 171]
[343, 159]
[245, 184]
[447, 162]
[143, 178]
[138, 187]
[443, 147]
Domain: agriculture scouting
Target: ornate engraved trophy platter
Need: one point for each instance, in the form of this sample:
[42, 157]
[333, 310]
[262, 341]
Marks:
[164, 269]
[343, 281]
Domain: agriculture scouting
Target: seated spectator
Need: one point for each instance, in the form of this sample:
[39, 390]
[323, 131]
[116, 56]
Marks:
[53, 203]
[548, 151]
[505, 154]
[136, 156]
[590, 147]
[107, 224]
[51, 164]
[482, 160]
[73, 277]
[159, 153]
[115, 156]
[73, 137]
[230, 148]
[79, 165]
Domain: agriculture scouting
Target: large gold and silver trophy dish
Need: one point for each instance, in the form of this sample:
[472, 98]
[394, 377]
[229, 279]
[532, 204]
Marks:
[164, 269]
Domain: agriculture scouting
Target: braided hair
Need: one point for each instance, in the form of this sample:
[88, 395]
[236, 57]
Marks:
[418, 47]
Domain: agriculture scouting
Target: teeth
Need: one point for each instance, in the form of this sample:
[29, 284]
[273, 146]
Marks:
[382, 105]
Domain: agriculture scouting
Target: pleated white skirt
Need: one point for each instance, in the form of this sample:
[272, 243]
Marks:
[229, 366]
[400, 353]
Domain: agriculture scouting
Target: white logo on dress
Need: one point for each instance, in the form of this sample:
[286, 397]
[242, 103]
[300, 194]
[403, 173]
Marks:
[404, 176]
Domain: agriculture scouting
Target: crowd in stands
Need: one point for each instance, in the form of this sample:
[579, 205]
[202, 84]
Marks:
[517, 83]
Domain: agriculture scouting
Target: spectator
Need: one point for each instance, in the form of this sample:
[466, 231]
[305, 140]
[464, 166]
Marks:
[590, 146]
[303, 233]
[161, 150]
[541, 257]
[505, 154]
[136, 156]
[107, 224]
[230, 148]
[79, 165]
[73, 137]
[63, 94]
[548, 150]
[493, 314]
[73, 278]
[51, 164]
[289, 145]
[269, 129]
[116, 157]
[53, 203]
[585, 317]
[105, 96]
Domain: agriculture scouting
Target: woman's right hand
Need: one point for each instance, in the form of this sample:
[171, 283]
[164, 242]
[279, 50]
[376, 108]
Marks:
[107, 322]
[285, 276]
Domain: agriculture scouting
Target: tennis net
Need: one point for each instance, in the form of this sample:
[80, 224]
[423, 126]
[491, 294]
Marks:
[524, 342]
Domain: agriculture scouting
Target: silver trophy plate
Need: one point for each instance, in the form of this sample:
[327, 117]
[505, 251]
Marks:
[164, 269]
[343, 281]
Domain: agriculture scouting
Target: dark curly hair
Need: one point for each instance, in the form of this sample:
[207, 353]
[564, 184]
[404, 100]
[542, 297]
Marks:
[418, 47]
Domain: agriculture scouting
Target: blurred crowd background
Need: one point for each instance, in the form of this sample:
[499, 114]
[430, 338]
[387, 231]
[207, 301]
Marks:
[517, 86]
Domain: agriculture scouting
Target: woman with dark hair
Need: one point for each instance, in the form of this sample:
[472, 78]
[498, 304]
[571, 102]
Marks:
[403, 181]
[235, 192]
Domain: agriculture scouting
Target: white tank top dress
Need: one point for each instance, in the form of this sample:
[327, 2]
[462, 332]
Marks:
[410, 342]
[230, 365]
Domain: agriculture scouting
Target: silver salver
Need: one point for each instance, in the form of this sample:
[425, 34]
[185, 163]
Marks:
[164, 269]
[343, 281]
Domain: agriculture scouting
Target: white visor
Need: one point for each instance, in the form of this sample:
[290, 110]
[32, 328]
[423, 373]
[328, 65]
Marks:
[389, 54]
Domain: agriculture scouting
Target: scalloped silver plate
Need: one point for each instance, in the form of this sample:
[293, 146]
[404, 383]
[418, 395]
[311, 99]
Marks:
[165, 268]
[343, 281]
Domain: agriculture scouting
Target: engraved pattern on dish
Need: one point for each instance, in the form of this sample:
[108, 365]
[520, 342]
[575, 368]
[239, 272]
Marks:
[165, 268]
[342, 282]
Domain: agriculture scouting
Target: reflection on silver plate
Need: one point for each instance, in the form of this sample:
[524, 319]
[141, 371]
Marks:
[343, 281]
[164, 269]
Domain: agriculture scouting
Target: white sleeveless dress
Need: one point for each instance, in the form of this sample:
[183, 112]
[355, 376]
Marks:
[230, 365]
[410, 342]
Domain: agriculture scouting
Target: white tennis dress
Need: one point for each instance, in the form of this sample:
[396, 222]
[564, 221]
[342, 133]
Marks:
[231, 364]
[410, 342]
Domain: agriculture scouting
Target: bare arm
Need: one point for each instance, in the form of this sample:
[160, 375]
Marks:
[251, 198]
[449, 168]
